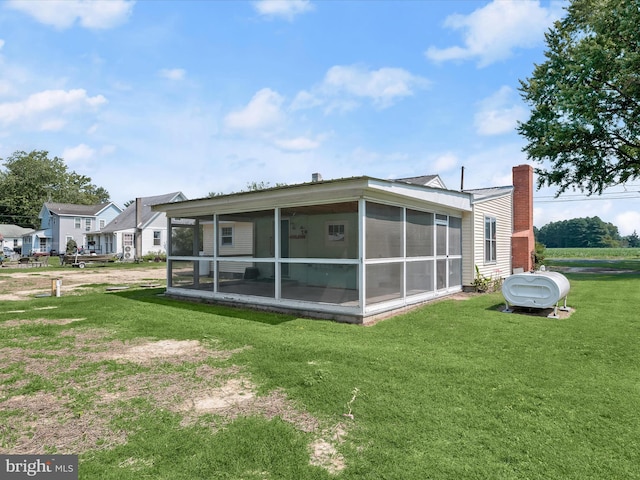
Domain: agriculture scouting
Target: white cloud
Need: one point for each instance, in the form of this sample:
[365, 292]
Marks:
[173, 73]
[287, 9]
[444, 162]
[62, 14]
[492, 32]
[298, 144]
[81, 152]
[263, 111]
[343, 85]
[48, 102]
[499, 113]
[627, 222]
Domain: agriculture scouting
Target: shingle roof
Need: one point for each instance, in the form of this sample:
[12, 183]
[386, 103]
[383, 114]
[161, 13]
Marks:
[72, 209]
[13, 231]
[480, 194]
[127, 219]
[421, 180]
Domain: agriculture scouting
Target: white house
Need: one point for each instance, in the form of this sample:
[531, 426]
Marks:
[11, 236]
[348, 249]
[138, 230]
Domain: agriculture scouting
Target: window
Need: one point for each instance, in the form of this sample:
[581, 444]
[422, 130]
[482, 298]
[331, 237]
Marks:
[226, 236]
[335, 232]
[78, 223]
[490, 239]
[87, 224]
[127, 239]
[157, 237]
[103, 222]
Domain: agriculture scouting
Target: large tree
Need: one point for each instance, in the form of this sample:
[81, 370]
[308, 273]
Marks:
[585, 122]
[589, 232]
[30, 179]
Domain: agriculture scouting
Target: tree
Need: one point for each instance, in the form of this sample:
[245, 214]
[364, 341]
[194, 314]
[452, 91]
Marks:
[585, 98]
[30, 179]
[251, 187]
[633, 240]
[590, 232]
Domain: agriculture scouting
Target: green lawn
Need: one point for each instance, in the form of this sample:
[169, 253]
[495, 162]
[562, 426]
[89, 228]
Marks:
[453, 390]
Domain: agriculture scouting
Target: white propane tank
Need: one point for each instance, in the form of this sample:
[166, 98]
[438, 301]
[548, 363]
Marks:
[537, 290]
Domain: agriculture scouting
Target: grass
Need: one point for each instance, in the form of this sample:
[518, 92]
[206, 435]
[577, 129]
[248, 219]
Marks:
[593, 253]
[453, 390]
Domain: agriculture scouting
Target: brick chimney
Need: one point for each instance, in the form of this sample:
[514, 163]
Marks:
[522, 240]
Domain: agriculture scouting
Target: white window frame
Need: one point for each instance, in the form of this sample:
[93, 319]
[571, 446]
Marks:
[336, 233]
[87, 224]
[77, 222]
[157, 238]
[490, 240]
[226, 236]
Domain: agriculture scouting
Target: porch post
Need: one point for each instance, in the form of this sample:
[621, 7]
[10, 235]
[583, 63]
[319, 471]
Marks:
[362, 254]
[276, 250]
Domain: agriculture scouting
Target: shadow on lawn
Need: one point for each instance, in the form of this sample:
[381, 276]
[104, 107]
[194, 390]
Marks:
[156, 297]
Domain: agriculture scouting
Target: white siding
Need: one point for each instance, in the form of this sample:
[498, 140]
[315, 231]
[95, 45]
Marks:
[501, 209]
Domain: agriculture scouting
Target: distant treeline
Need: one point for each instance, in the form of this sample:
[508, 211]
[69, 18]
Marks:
[589, 232]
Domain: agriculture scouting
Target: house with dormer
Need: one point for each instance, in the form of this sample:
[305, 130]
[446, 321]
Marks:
[62, 222]
[138, 230]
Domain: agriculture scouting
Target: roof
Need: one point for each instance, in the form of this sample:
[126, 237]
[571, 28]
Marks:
[73, 209]
[12, 231]
[325, 191]
[424, 180]
[127, 219]
[481, 194]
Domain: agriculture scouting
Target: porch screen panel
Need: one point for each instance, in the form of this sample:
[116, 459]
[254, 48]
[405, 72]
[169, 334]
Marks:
[181, 274]
[441, 274]
[256, 279]
[253, 234]
[325, 283]
[455, 272]
[182, 237]
[384, 231]
[419, 234]
[322, 231]
[441, 239]
[420, 278]
[186, 237]
[384, 282]
[455, 236]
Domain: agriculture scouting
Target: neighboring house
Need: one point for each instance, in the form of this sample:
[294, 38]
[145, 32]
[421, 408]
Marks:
[61, 222]
[349, 249]
[139, 230]
[11, 236]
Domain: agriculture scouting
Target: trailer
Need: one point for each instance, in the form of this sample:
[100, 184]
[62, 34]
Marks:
[80, 261]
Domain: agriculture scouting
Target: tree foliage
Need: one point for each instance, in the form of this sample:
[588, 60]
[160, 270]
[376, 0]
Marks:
[251, 187]
[589, 232]
[31, 179]
[585, 98]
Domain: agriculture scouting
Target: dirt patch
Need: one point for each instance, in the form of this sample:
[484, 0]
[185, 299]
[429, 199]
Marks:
[37, 281]
[39, 321]
[72, 413]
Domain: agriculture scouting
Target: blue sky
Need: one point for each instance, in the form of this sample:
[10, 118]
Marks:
[151, 97]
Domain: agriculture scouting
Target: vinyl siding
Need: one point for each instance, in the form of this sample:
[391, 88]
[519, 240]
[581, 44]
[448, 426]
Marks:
[500, 209]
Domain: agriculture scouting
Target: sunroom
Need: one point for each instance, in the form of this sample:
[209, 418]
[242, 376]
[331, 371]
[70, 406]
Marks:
[349, 249]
